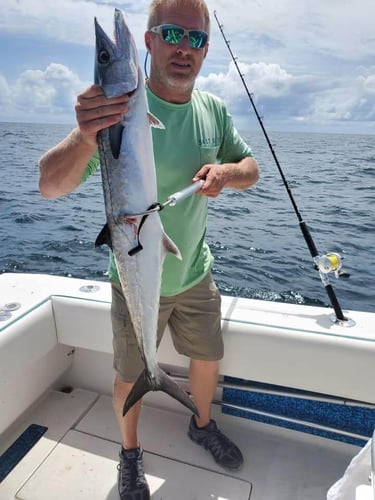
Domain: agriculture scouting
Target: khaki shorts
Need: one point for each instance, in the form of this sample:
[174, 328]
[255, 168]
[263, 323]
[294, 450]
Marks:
[194, 319]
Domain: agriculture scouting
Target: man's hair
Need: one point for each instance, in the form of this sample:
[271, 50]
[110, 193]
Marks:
[156, 6]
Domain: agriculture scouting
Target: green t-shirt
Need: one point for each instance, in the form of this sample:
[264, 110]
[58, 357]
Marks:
[198, 132]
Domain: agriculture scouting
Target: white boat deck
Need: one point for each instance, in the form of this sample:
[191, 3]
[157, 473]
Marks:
[77, 456]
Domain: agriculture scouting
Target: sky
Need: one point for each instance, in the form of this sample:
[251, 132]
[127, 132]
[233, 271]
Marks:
[309, 64]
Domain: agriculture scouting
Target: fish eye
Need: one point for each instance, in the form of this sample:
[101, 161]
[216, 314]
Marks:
[103, 56]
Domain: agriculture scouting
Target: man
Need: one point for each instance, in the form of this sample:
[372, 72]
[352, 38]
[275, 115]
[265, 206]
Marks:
[199, 142]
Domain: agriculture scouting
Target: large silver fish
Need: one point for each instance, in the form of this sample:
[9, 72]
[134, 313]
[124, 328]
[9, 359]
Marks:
[138, 242]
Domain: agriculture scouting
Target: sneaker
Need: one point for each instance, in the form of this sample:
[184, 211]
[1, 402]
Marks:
[224, 451]
[132, 484]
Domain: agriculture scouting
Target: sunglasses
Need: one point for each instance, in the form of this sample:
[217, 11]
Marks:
[173, 34]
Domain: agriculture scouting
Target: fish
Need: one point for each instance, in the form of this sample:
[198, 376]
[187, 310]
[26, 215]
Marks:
[133, 228]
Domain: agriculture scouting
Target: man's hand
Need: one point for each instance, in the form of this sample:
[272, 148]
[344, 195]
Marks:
[94, 112]
[241, 175]
[214, 179]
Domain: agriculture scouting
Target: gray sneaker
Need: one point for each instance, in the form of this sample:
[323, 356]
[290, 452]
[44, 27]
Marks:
[224, 451]
[132, 484]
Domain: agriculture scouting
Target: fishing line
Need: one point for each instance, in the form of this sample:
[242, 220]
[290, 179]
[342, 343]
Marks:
[330, 262]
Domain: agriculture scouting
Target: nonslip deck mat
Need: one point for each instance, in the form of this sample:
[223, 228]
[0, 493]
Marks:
[84, 467]
[341, 419]
[21, 446]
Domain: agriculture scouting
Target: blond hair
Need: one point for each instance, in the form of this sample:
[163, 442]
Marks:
[156, 6]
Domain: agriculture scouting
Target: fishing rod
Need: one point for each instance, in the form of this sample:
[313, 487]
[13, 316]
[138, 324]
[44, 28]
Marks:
[330, 262]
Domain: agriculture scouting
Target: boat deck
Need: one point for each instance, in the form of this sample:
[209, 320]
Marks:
[76, 457]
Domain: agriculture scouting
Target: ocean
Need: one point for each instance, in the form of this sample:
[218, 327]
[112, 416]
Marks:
[254, 235]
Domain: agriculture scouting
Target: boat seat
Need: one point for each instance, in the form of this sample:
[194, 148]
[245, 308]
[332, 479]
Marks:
[86, 324]
[83, 323]
[264, 342]
[27, 340]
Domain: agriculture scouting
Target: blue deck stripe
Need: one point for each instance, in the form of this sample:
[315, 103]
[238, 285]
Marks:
[339, 417]
[21, 446]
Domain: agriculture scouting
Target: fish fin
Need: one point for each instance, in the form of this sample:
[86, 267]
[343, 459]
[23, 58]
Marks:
[154, 122]
[115, 138]
[161, 382]
[104, 237]
[171, 247]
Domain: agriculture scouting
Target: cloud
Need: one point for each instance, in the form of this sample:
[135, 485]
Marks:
[266, 83]
[350, 103]
[69, 21]
[269, 30]
[47, 94]
[366, 91]
[283, 98]
[269, 79]
[334, 29]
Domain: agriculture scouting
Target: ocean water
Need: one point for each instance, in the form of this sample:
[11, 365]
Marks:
[254, 234]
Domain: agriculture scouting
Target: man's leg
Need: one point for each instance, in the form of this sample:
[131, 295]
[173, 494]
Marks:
[127, 361]
[132, 484]
[196, 332]
[203, 382]
[203, 430]
[128, 424]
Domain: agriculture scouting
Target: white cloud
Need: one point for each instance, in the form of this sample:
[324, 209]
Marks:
[271, 88]
[355, 102]
[263, 30]
[47, 95]
[283, 97]
[268, 79]
[336, 28]
[70, 21]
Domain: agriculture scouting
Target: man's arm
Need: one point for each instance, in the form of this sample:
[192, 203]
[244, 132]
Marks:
[61, 168]
[240, 175]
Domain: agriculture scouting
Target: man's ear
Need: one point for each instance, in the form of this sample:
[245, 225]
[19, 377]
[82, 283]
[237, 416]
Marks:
[148, 41]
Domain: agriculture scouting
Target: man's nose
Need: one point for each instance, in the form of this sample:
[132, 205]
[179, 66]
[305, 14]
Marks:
[184, 45]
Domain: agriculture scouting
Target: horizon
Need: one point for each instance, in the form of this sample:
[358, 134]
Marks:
[241, 131]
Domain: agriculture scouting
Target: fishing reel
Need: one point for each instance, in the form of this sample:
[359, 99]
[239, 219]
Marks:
[330, 263]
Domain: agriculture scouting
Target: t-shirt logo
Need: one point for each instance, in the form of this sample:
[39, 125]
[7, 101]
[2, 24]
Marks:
[208, 142]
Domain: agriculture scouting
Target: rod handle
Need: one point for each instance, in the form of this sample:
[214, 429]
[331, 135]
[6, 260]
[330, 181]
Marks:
[185, 193]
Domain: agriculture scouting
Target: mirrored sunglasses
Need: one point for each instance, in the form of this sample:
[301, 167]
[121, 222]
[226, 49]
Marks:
[173, 34]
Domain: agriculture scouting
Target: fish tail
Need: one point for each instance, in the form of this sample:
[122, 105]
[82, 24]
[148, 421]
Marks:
[160, 382]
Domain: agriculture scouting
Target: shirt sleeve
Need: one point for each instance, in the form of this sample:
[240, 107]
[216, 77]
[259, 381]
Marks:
[91, 167]
[233, 147]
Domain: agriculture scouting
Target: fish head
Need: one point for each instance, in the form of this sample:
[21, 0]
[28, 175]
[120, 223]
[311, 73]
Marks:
[116, 62]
